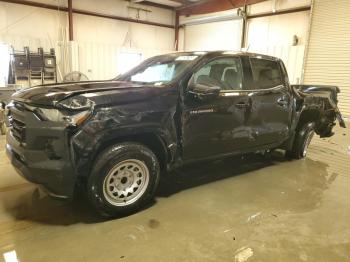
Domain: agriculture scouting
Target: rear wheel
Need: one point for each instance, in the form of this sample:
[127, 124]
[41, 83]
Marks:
[302, 141]
[124, 178]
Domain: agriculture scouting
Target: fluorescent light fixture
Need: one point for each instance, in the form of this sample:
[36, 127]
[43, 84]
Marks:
[163, 2]
[211, 19]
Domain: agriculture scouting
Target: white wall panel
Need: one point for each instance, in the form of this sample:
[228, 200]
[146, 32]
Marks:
[278, 30]
[30, 22]
[224, 35]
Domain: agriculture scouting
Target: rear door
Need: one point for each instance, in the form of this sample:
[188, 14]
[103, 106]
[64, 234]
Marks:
[270, 114]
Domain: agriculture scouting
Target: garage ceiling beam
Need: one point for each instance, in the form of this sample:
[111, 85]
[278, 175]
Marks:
[84, 12]
[211, 6]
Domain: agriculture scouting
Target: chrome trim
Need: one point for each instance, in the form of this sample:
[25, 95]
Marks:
[238, 92]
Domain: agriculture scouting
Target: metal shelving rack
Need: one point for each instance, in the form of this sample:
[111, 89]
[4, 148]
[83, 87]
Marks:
[31, 69]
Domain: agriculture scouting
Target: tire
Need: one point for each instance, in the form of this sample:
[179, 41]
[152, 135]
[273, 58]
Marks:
[124, 179]
[302, 141]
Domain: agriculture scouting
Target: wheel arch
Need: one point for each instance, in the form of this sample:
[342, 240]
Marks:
[149, 139]
[308, 115]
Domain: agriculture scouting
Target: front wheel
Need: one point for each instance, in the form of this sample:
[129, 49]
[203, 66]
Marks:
[124, 178]
[302, 141]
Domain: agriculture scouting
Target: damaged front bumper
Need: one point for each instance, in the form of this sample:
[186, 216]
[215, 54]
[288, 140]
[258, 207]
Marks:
[40, 152]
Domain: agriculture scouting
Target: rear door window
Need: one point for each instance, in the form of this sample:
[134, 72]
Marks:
[266, 73]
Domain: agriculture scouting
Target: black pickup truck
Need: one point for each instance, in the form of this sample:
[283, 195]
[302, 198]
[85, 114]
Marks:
[118, 136]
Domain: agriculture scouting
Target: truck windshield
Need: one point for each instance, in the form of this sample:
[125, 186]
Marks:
[159, 71]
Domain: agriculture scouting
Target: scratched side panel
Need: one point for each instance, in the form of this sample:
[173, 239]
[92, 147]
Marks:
[270, 121]
[143, 116]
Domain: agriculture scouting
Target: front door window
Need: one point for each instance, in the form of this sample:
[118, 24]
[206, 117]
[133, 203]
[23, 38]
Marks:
[225, 73]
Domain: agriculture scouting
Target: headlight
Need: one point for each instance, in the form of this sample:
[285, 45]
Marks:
[74, 111]
[76, 103]
[55, 115]
[78, 119]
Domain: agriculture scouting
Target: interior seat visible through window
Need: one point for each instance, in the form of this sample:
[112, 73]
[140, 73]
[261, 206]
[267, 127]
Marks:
[225, 73]
[266, 73]
[207, 81]
[265, 78]
[231, 79]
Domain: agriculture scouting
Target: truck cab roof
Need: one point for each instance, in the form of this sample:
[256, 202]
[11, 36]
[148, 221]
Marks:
[223, 52]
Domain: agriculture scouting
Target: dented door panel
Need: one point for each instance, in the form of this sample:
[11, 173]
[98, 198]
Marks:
[270, 116]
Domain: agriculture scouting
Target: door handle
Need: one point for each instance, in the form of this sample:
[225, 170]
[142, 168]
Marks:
[242, 105]
[282, 102]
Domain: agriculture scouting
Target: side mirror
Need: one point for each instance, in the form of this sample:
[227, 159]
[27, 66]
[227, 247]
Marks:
[204, 92]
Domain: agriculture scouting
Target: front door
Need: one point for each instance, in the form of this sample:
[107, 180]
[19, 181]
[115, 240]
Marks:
[213, 127]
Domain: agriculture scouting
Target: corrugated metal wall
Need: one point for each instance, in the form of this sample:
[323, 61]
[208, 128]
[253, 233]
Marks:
[328, 55]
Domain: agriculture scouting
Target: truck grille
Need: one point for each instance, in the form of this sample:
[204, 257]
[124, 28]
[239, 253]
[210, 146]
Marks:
[18, 130]
[16, 119]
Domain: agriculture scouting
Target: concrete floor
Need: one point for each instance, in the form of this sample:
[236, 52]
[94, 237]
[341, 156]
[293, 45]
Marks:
[252, 209]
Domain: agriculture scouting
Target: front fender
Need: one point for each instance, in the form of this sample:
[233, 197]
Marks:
[88, 142]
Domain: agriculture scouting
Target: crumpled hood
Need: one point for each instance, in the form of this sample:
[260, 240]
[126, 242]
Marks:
[102, 92]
